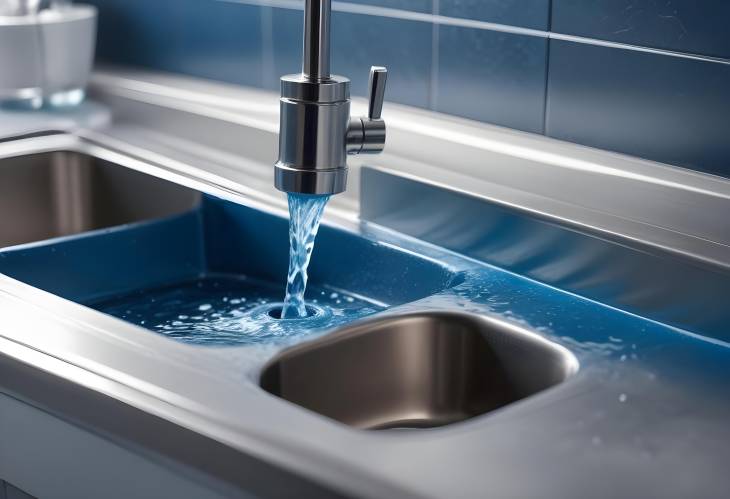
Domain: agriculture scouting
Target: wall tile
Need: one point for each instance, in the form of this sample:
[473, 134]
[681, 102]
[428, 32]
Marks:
[359, 42]
[525, 13]
[658, 107]
[288, 39]
[203, 38]
[404, 47]
[130, 32]
[414, 5]
[696, 26]
[225, 45]
[494, 77]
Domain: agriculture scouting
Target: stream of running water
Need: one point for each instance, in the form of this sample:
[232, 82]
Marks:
[305, 214]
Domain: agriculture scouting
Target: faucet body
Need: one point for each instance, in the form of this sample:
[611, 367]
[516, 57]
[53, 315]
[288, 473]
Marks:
[316, 131]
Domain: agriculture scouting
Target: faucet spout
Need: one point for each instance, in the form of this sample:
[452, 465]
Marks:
[316, 132]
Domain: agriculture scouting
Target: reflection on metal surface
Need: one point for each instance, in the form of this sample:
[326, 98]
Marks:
[637, 448]
[657, 204]
[417, 371]
[61, 193]
[663, 287]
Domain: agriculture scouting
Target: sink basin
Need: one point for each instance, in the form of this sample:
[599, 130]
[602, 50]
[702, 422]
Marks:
[198, 269]
[417, 371]
[61, 193]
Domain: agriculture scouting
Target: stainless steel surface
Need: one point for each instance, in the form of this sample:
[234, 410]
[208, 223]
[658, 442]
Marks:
[312, 155]
[366, 135]
[644, 417]
[316, 132]
[650, 282]
[621, 197]
[376, 86]
[54, 194]
[418, 371]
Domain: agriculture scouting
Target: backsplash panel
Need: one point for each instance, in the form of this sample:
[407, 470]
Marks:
[404, 47]
[665, 108]
[525, 13]
[286, 36]
[414, 5]
[498, 61]
[694, 26]
[204, 38]
[490, 76]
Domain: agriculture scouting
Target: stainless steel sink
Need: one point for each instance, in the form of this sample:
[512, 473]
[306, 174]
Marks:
[61, 193]
[417, 371]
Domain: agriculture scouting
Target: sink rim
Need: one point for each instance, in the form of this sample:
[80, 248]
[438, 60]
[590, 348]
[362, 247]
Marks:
[487, 326]
[572, 363]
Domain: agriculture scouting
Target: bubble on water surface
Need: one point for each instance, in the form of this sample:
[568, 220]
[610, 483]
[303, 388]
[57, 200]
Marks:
[189, 316]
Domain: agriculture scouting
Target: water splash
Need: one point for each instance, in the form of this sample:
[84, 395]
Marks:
[224, 310]
[305, 213]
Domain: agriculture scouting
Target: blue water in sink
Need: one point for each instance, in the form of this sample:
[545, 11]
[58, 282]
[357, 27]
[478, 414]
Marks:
[230, 310]
[159, 273]
[305, 213]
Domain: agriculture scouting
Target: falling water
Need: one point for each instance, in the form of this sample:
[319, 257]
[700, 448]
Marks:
[305, 213]
[229, 310]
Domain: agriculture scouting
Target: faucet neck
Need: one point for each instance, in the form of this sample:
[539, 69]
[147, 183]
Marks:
[316, 59]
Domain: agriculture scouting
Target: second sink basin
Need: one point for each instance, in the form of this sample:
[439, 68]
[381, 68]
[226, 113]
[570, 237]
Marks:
[417, 371]
[61, 193]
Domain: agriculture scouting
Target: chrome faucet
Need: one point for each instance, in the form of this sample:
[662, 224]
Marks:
[316, 132]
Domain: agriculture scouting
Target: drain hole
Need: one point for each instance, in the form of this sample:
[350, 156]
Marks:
[275, 312]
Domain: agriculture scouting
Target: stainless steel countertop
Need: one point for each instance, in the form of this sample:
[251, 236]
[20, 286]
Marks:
[646, 415]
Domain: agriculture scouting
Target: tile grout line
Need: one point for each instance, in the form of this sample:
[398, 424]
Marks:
[407, 15]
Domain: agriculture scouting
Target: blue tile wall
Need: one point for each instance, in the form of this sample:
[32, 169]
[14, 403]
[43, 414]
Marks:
[654, 105]
[402, 46]
[413, 5]
[360, 42]
[170, 35]
[136, 36]
[665, 108]
[229, 48]
[287, 40]
[491, 76]
[525, 13]
[695, 26]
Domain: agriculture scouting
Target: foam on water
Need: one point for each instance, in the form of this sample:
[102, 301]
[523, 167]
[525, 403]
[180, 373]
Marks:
[305, 213]
[233, 310]
[228, 310]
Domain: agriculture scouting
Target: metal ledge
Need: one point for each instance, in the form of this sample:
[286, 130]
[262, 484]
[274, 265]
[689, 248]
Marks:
[640, 201]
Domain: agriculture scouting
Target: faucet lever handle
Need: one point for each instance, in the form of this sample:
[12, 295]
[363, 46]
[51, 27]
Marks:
[376, 94]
